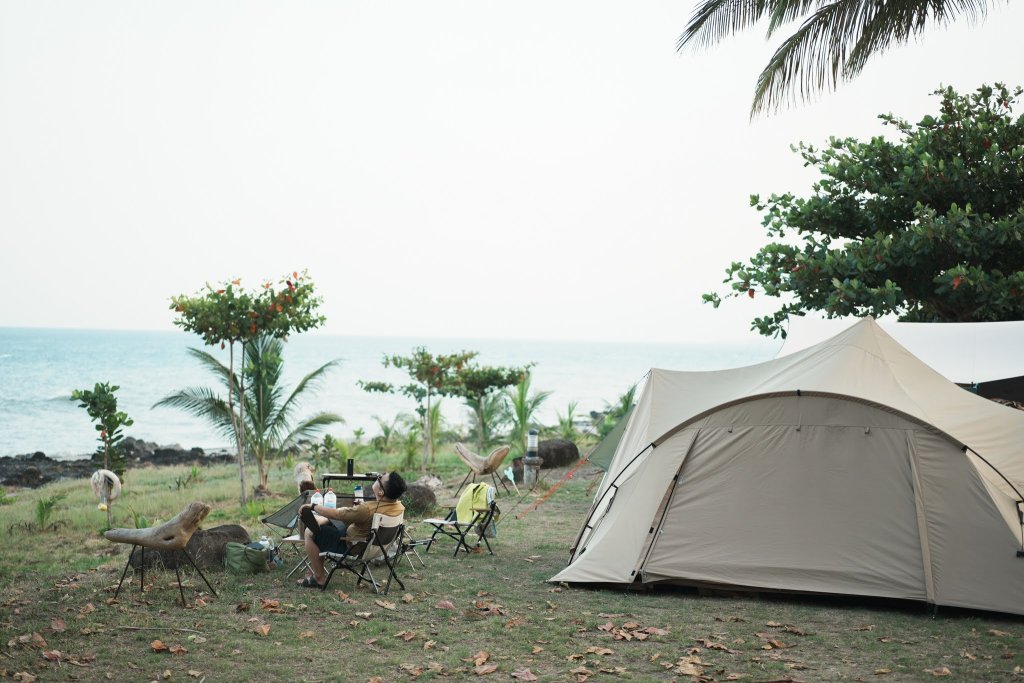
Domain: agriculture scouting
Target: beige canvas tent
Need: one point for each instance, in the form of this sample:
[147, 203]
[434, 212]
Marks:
[849, 467]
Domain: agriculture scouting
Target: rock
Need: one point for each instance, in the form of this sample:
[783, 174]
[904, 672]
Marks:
[419, 499]
[32, 470]
[517, 470]
[206, 547]
[431, 481]
[557, 453]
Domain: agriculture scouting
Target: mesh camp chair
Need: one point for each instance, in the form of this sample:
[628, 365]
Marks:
[472, 519]
[284, 523]
[480, 466]
[383, 544]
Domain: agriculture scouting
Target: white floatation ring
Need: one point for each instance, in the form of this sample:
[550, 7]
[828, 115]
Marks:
[106, 486]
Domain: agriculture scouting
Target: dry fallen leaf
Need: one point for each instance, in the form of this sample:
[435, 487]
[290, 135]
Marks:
[157, 646]
[996, 632]
[407, 598]
[194, 673]
[262, 629]
[364, 615]
[429, 645]
[537, 649]
[177, 650]
[307, 634]
[484, 669]
[939, 671]
[444, 604]
[524, 675]
[52, 655]
[384, 604]
[882, 672]
[58, 625]
[865, 627]
[593, 650]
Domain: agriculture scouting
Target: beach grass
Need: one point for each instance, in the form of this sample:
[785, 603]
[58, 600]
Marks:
[477, 616]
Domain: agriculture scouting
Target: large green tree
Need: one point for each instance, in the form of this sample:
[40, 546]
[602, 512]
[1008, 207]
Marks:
[269, 410]
[834, 41]
[929, 226]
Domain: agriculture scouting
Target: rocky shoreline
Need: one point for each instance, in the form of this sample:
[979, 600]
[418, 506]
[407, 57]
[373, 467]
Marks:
[33, 470]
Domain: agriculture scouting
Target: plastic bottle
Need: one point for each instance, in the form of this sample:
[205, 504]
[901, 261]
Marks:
[318, 498]
[357, 495]
[265, 542]
[330, 499]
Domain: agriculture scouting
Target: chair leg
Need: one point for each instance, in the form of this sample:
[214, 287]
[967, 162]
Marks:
[188, 556]
[500, 480]
[125, 572]
[142, 569]
[181, 590]
[471, 473]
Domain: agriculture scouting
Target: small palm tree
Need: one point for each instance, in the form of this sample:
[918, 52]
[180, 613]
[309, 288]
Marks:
[269, 429]
[487, 417]
[615, 412]
[522, 406]
[566, 428]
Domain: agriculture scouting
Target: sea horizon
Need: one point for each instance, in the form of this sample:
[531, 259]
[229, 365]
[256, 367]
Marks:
[39, 367]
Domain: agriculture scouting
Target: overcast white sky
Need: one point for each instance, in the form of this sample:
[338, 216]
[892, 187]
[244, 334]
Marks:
[524, 169]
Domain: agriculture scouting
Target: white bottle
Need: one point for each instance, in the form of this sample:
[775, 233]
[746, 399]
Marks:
[265, 542]
[357, 495]
[330, 499]
[318, 498]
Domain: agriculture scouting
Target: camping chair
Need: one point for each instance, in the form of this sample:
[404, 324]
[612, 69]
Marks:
[383, 544]
[284, 523]
[409, 548]
[476, 512]
[480, 466]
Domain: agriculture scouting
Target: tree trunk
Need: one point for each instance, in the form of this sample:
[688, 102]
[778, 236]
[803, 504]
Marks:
[171, 535]
[426, 438]
[239, 439]
[480, 423]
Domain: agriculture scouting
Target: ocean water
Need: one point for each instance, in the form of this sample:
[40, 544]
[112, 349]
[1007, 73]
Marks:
[40, 367]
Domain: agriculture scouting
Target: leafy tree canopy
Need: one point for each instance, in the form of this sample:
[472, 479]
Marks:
[928, 227]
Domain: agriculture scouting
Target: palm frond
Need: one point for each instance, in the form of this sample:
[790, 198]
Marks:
[311, 381]
[717, 19]
[203, 403]
[310, 427]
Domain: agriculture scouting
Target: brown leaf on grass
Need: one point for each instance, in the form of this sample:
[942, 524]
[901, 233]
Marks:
[484, 669]
[690, 666]
[594, 650]
[631, 625]
[444, 604]
[581, 673]
[262, 629]
[364, 615]
[654, 631]
[939, 671]
[195, 673]
[429, 645]
[200, 602]
[515, 621]
[307, 634]
[271, 605]
[473, 614]
[864, 627]
[772, 624]
[997, 633]
[89, 607]
[731, 618]
[412, 669]
[370, 641]
[242, 607]
[968, 655]
[882, 672]
[606, 627]
[25, 677]
[178, 650]
[406, 635]
[711, 645]
[157, 646]
[52, 655]
[481, 594]
[384, 604]
[735, 677]
[343, 596]
[537, 649]
[574, 657]
[407, 598]
[58, 625]
[533, 558]
[479, 658]
[524, 675]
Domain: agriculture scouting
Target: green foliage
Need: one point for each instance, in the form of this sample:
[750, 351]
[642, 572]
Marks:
[614, 412]
[522, 406]
[231, 314]
[101, 405]
[929, 227]
[566, 428]
[432, 376]
[140, 521]
[268, 413]
[45, 508]
[476, 384]
[488, 417]
[253, 510]
[833, 42]
[6, 499]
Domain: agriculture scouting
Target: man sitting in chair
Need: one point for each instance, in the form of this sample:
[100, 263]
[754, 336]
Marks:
[323, 537]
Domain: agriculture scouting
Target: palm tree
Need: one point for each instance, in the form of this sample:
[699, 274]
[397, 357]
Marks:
[522, 406]
[832, 44]
[487, 416]
[268, 412]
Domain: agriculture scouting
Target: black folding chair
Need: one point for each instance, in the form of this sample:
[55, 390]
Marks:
[383, 544]
[480, 516]
[284, 523]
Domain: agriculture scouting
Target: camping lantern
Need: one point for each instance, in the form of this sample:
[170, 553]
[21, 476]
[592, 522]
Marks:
[532, 461]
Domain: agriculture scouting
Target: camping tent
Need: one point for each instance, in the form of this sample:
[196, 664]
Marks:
[985, 356]
[849, 467]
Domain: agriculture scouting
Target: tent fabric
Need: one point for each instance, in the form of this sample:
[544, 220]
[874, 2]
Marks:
[849, 467]
[603, 452]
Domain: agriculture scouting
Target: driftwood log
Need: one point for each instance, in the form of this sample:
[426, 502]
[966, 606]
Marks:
[171, 535]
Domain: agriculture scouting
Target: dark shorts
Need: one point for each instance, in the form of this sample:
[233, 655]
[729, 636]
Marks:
[331, 539]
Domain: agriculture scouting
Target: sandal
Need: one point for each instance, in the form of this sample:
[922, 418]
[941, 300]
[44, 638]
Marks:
[310, 582]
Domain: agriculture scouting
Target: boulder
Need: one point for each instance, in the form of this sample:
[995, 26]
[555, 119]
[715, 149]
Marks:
[206, 547]
[419, 499]
[557, 453]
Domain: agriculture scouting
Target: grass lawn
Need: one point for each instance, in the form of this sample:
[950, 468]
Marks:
[475, 617]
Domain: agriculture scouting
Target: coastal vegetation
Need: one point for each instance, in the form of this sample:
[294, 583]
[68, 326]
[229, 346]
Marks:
[101, 404]
[477, 616]
[229, 315]
[927, 227]
[265, 412]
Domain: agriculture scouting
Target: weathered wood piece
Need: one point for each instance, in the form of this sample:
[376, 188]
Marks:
[171, 535]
